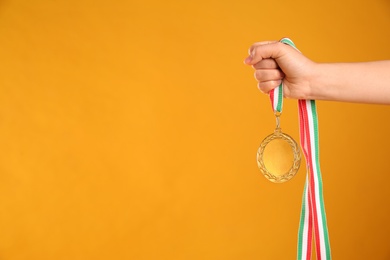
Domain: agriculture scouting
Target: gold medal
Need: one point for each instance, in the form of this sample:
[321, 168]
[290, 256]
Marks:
[278, 156]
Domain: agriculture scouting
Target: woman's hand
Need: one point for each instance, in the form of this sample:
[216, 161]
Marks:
[275, 62]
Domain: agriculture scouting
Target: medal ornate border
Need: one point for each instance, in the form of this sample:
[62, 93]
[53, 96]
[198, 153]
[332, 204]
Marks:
[297, 157]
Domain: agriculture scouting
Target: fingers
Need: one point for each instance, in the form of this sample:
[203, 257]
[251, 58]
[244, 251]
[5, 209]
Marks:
[268, 79]
[263, 56]
[275, 62]
[267, 86]
[265, 50]
[250, 50]
[266, 64]
[268, 75]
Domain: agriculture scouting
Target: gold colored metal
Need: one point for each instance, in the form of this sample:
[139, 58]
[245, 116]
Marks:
[277, 122]
[278, 156]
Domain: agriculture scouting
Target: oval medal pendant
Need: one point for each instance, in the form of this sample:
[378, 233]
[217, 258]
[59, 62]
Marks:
[278, 156]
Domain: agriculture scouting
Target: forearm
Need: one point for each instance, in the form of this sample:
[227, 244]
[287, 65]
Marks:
[366, 82]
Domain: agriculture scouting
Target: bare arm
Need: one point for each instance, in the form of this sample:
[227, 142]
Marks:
[365, 82]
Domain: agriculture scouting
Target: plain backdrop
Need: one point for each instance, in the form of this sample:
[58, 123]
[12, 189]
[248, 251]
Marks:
[129, 130]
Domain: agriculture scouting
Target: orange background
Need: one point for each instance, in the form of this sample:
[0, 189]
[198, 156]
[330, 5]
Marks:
[129, 130]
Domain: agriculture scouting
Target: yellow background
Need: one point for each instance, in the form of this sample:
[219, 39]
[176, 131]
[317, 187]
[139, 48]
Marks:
[129, 130]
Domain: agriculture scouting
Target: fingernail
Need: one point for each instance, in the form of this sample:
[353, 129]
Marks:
[248, 60]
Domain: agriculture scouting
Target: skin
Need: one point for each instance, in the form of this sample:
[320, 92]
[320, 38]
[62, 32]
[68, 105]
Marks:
[362, 82]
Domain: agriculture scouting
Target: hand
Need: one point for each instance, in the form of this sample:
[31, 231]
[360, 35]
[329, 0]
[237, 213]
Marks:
[275, 62]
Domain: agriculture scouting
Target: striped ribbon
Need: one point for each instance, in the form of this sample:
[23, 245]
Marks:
[313, 217]
[276, 96]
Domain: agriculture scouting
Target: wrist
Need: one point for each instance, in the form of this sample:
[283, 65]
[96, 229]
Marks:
[320, 87]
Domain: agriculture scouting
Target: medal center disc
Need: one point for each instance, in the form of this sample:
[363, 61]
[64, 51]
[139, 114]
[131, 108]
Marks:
[278, 157]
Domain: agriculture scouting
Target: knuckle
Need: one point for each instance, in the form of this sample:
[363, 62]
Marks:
[278, 74]
[257, 75]
[263, 87]
[251, 49]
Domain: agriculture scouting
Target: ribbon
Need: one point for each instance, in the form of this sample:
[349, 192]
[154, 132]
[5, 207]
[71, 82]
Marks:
[313, 217]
